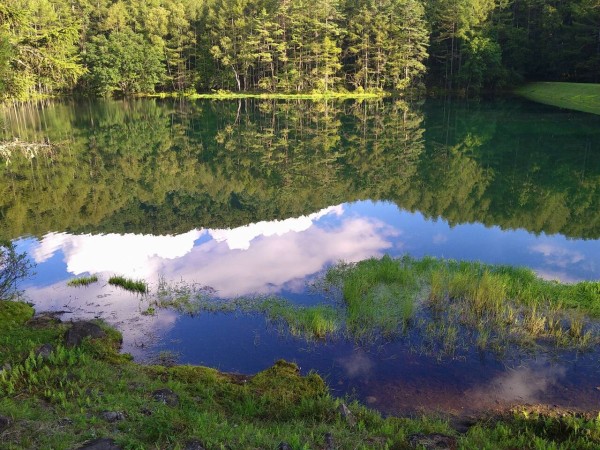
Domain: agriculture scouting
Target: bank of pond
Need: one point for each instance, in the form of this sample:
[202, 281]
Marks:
[65, 384]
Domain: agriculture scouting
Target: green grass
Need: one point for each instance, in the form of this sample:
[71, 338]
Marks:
[57, 403]
[82, 281]
[129, 284]
[577, 96]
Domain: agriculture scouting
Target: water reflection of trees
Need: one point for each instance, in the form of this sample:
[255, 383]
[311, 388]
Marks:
[154, 167]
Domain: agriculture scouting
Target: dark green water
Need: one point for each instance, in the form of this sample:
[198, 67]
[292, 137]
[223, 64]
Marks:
[167, 167]
[259, 197]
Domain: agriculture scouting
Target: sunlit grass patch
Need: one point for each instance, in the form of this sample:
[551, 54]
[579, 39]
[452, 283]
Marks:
[129, 284]
[82, 281]
[577, 96]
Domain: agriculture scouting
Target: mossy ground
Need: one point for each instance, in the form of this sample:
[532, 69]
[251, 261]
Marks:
[58, 403]
[577, 96]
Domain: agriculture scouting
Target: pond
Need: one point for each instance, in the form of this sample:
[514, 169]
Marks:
[258, 198]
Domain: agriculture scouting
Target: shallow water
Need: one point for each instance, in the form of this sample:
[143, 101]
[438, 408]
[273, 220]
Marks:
[260, 197]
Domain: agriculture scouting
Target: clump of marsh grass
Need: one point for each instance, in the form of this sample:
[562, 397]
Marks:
[310, 322]
[464, 304]
[378, 295]
[129, 284]
[82, 281]
[317, 321]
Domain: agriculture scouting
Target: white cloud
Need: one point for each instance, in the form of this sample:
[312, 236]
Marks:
[132, 255]
[240, 238]
[274, 261]
[439, 238]
[555, 255]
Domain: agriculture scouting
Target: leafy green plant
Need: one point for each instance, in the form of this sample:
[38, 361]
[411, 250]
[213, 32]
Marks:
[13, 267]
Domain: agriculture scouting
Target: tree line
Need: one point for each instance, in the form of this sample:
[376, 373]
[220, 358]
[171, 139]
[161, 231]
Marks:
[141, 46]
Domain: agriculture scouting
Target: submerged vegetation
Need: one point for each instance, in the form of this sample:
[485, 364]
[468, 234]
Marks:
[139, 286]
[577, 96]
[82, 281]
[450, 304]
[64, 396]
[440, 306]
[311, 322]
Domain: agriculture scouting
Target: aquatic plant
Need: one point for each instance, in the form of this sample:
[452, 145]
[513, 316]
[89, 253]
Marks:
[82, 281]
[129, 284]
[463, 304]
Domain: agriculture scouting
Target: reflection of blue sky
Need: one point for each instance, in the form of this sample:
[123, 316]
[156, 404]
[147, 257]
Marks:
[267, 257]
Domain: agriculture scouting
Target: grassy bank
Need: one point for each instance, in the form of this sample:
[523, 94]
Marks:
[68, 395]
[577, 96]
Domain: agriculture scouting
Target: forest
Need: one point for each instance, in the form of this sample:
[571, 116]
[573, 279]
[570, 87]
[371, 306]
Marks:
[128, 47]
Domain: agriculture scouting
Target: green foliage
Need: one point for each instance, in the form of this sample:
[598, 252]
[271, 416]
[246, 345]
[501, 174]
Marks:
[13, 314]
[124, 62]
[138, 286]
[13, 267]
[144, 166]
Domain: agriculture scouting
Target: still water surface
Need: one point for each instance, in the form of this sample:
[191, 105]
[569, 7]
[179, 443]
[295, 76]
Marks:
[260, 197]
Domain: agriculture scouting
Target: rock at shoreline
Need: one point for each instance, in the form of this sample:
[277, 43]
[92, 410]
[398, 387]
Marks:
[81, 330]
[194, 444]
[166, 396]
[329, 442]
[4, 423]
[100, 444]
[434, 441]
[44, 351]
[347, 414]
[112, 416]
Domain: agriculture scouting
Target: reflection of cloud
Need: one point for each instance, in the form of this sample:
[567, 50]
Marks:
[114, 305]
[132, 255]
[258, 258]
[358, 364]
[440, 238]
[556, 276]
[524, 384]
[239, 238]
[271, 262]
[556, 255]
